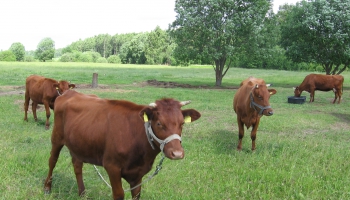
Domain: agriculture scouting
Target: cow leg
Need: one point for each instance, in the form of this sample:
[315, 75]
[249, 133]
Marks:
[78, 170]
[26, 105]
[114, 174]
[335, 95]
[253, 133]
[135, 193]
[55, 152]
[47, 108]
[240, 134]
[312, 94]
[34, 106]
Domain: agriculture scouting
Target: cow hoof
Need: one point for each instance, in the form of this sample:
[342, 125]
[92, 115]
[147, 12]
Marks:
[47, 127]
[47, 191]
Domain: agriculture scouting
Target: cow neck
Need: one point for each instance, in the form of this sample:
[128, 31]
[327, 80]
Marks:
[254, 105]
[151, 137]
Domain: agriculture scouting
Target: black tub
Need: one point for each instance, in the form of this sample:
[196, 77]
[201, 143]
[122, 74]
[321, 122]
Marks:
[296, 100]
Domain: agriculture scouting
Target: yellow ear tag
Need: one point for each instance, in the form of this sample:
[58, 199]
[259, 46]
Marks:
[188, 119]
[145, 118]
[271, 92]
[56, 88]
[71, 88]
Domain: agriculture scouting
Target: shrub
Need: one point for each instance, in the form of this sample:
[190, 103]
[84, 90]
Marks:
[29, 59]
[114, 59]
[7, 55]
[85, 57]
[67, 57]
[101, 60]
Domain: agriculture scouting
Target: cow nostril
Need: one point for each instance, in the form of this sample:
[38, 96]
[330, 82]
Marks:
[177, 154]
[270, 112]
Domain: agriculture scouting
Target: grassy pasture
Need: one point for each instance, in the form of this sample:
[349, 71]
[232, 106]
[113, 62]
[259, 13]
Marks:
[302, 150]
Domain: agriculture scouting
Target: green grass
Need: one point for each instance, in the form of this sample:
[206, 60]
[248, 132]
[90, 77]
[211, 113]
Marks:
[302, 150]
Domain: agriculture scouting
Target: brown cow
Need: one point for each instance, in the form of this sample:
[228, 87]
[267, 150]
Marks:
[43, 90]
[321, 82]
[250, 103]
[117, 135]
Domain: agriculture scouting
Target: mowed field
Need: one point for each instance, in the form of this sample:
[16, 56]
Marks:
[302, 150]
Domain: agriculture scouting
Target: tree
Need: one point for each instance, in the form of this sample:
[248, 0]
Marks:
[7, 56]
[45, 49]
[103, 45]
[319, 32]
[156, 45]
[19, 51]
[133, 51]
[216, 29]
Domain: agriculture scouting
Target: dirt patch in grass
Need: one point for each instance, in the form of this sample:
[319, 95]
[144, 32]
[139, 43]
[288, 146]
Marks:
[12, 90]
[169, 84]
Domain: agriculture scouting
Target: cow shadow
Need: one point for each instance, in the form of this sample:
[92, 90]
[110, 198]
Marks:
[343, 117]
[226, 141]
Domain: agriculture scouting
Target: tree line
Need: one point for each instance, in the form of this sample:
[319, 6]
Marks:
[311, 35]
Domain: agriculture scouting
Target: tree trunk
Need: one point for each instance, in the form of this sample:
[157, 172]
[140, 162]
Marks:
[219, 68]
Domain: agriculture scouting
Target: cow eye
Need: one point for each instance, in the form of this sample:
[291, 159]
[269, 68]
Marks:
[159, 124]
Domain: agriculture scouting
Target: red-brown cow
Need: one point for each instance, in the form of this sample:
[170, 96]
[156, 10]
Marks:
[321, 82]
[119, 135]
[43, 90]
[250, 103]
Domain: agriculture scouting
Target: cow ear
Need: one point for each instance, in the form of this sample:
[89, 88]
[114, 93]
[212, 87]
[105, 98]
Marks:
[190, 115]
[146, 114]
[71, 86]
[272, 91]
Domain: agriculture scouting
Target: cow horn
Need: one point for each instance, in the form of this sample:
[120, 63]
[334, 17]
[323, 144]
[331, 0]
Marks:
[183, 103]
[153, 105]
[256, 86]
[268, 85]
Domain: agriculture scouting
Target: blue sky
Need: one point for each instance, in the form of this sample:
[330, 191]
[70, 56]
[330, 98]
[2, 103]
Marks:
[66, 21]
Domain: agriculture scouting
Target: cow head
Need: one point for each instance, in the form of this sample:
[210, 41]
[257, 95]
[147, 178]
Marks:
[297, 92]
[63, 86]
[259, 99]
[166, 120]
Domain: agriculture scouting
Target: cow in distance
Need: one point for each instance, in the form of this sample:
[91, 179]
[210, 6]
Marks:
[321, 82]
[43, 90]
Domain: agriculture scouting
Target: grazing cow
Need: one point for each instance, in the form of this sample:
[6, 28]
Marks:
[43, 90]
[321, 82]
[119, 135]
[250, 103]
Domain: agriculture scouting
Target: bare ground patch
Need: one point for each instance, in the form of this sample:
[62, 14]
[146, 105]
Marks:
[169, 84]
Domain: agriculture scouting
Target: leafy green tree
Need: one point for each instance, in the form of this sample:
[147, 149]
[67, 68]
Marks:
[19, 51]
[156, 45]
[7, 55]
[133, 51]
[45, 49]
[216, 29]
[119, 40]
[318, 32]
[103, 45]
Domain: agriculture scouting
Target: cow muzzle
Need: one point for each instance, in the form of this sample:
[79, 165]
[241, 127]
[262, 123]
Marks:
[174, 153]
[263, 110]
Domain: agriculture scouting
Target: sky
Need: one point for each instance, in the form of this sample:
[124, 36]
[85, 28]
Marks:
[67, 21]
